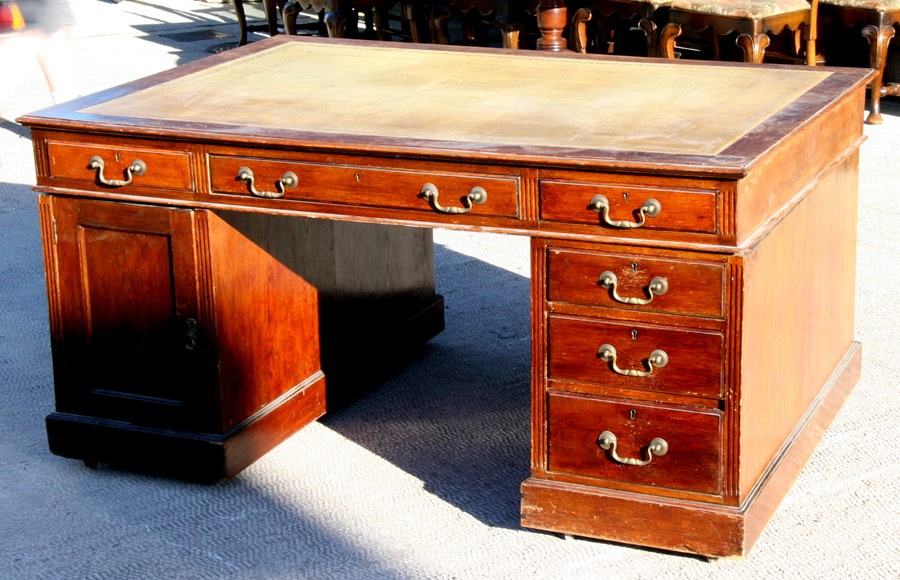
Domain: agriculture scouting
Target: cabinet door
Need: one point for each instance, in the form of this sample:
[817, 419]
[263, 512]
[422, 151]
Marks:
[124, 310]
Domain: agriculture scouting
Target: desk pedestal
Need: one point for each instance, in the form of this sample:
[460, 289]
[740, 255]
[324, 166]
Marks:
[188, 342]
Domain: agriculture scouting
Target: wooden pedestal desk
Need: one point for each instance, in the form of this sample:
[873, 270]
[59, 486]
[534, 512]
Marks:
[693, 236]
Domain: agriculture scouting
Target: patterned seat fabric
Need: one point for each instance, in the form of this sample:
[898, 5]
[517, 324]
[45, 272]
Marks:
[754, 9]
[876, 5]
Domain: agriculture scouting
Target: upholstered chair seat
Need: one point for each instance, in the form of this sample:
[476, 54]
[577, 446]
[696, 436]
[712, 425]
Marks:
[752, 20]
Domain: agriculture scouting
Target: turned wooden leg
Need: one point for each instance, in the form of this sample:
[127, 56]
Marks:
[242, 21]
[667, 39]
[579, 29]
[552, 17]
[879, 38]
[753, 45]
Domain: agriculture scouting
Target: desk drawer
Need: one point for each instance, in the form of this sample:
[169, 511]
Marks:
[399, 188]
[635, 282]
[126, 168]
[629, 206]
[693, 440]
[693, 359]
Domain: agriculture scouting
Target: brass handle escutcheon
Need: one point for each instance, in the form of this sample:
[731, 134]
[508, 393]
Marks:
[658, 359]
[658, 286]
[287, 181]
[608, 441]
[600, 204]
[478, 196]
[137, 167]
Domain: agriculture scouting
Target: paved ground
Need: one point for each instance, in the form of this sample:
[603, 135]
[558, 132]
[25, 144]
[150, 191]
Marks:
[419, 479]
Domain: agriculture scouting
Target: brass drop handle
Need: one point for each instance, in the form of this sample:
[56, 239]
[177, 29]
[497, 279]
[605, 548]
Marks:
[287, 181]
[608, 441]
[658, 286]
[658, 359]
[478, 196]
[600, 204]
[137, 167]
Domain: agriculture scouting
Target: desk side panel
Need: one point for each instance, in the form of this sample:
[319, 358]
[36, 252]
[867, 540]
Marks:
[798, 319]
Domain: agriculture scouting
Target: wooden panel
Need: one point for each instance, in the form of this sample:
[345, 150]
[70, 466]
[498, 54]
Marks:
[693, 461]
[695, 359]
[693, 288]
[793, 339]
[267, 320]
[127, 275]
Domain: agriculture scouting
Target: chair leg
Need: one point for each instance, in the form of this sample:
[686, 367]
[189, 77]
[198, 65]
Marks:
[509, 32]
[242, 21]
[335, 23]
[652, 34]
[579, 29]
[879, 38]
[667, 40]
[753, 45]
[289, 14]
[271, 16]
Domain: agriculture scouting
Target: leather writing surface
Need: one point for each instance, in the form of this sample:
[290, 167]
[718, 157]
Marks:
[481, 99]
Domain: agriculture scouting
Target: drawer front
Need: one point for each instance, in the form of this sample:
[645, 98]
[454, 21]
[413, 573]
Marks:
[688, 210]
[636, 283]
[693, 359]
[629, 450]
[110, 167]
[370, 186]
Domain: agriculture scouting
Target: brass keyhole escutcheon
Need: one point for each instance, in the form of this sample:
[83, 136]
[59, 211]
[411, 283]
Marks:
[632, 414]
[634, 334]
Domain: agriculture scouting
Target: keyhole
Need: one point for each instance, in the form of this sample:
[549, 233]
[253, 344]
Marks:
[625, 196]
[634, 266]
[632, 414]
[634, 334]
[118, 158]
[358, 178]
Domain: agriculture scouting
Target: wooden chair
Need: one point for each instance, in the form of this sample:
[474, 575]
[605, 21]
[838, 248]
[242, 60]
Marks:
[615, 18]
[752, 20]
[880, 21]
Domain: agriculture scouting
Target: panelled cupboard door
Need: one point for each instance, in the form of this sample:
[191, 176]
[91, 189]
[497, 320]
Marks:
[124, 311]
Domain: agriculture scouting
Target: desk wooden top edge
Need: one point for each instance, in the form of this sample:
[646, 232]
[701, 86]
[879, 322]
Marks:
[733, 162]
